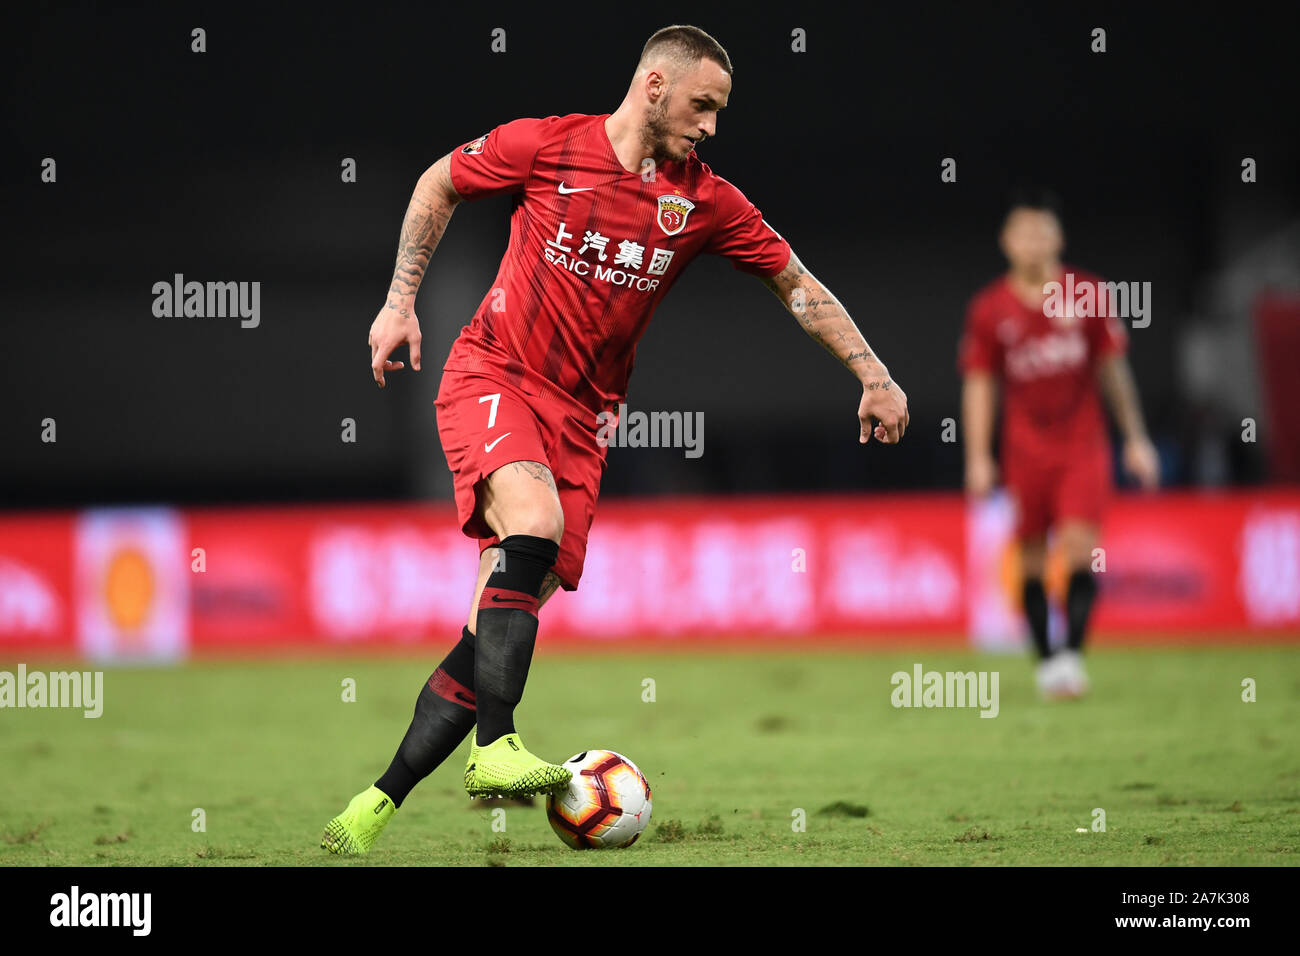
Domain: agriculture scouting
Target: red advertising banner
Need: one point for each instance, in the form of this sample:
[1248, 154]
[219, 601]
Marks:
[332, 576]
[783, 567]
[1212, 563]
[157, 584]
[37, 610]
[1178, 566]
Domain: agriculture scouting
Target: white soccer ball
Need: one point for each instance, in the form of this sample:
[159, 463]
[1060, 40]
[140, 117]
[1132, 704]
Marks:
[606, 806]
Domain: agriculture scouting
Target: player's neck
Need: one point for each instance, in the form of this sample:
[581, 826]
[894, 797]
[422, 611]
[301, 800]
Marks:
[624, 132]
[1027, 286]
[1035, 278]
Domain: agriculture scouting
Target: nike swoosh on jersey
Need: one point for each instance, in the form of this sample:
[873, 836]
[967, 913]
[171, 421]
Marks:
[487, 447]
[572, 189]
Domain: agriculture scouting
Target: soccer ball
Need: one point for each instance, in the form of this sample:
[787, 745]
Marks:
[606, 806]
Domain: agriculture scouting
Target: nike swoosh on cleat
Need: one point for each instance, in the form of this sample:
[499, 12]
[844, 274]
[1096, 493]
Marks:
[487, 447]
[572, 189]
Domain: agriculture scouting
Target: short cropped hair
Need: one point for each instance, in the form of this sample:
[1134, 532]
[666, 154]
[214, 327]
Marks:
[686, 46]
[1033, 197]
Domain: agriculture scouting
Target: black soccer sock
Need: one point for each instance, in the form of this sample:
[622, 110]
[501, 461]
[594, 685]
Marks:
[1035, 600]
[507, 631]
[1078, 606]
[444, 714]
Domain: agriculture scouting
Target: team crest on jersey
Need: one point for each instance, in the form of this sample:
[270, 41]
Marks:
[476, 146]
[673, 211]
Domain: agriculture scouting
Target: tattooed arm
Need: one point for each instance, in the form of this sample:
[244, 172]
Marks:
[883, 409]
[426, 219]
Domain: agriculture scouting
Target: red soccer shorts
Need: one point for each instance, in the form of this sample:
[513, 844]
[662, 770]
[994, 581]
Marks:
[485, 423]
[1048, 492]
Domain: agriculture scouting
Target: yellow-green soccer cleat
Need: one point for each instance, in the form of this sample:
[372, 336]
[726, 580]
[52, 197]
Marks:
[504, 768]
[354, 831]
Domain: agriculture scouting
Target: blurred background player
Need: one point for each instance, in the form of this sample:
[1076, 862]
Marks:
[1049, 364]
[611, 209]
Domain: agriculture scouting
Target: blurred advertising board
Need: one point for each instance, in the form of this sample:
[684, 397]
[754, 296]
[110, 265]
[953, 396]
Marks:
[157, 584]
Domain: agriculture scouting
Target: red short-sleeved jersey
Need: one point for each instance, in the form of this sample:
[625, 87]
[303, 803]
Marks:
[1046, 365]
[593, 249]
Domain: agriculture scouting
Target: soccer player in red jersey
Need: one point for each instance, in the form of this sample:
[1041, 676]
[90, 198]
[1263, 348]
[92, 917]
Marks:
[1049, 356]
[609, 210]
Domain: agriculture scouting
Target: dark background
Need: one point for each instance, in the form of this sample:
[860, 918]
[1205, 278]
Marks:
[225, 166]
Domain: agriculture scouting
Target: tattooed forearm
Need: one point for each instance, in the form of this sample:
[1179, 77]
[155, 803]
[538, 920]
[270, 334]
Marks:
[826, 321]
[432, 204]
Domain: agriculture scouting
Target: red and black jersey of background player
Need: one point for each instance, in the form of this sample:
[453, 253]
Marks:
[593, 249]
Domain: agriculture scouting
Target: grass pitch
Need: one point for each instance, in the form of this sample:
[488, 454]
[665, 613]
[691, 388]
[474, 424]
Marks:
[734, 747]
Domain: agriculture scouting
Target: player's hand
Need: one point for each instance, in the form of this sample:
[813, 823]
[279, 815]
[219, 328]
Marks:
[395, 324]
[882, 413]
[1142, 462]
[981, 475]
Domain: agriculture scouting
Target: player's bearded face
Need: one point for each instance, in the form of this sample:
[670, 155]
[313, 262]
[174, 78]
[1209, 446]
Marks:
[660, 134]
[686, 112]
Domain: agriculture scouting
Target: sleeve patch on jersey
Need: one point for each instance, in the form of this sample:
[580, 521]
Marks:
[476, 146]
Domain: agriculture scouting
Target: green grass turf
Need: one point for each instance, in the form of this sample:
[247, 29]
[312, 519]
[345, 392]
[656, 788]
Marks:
[1186, 772]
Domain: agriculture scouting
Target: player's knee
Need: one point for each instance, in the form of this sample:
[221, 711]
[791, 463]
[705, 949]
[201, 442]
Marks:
[1033, 559]
[1077, 543]
[540, 523]
[1078, 559]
